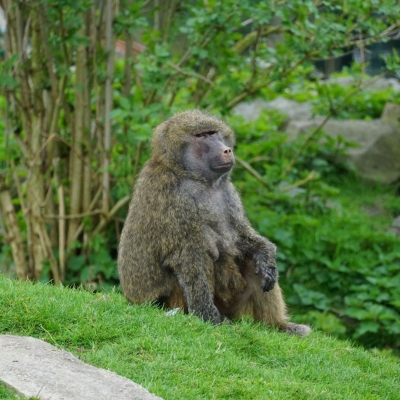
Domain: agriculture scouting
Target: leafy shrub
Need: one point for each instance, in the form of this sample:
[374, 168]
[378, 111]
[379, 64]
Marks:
[336, 268]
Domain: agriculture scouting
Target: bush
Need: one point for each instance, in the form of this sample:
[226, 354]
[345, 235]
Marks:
[336, 268]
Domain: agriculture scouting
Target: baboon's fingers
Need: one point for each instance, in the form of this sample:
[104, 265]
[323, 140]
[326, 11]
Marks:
[269, 274]
[267, 284]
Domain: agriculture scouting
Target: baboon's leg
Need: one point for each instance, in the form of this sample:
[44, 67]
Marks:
[267, 307]
[176, 300]
[173, 298]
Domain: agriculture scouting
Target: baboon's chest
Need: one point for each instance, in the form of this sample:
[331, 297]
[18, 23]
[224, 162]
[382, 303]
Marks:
[218, 224]
[213, 214]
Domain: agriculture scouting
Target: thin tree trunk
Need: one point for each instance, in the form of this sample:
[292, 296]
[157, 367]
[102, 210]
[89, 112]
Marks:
[128, 61]
[108, 107]
[61, 231]
[14, 236]
[36, 182]
[88, 135]
[76, 164]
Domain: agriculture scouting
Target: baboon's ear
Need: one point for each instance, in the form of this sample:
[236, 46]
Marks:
[159, 142]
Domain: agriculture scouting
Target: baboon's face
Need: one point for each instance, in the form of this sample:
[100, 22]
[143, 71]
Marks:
[207, 155]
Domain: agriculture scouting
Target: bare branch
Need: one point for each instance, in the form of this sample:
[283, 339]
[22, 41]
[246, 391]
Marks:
[311, 176]
[189, 73]
[72, 216]
[253, 172]
[103, 223]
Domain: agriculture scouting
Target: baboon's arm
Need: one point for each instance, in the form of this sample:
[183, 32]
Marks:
[253, 244]
[263, 253]
[191, 268]
[264, 256]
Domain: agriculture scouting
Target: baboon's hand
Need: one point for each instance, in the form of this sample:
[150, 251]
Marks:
[266, 266]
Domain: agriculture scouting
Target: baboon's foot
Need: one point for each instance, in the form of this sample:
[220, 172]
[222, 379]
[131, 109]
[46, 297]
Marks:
[296, 329]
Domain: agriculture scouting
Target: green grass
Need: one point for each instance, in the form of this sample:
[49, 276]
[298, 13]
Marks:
[8, 394]
[180, 357]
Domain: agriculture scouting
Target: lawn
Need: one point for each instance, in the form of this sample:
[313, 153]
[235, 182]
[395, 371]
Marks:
[181, 357]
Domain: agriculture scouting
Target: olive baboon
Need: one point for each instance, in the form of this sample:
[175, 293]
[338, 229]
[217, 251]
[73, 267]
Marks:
[187, 241]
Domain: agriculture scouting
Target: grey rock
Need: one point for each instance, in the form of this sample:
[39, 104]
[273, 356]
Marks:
[250, 111]
[396, 222]
[383, 84]
[391, 113]
[293, 109]
[394, 230]
[35, 368]
[375, 85]
[342, 80]
[377, 157]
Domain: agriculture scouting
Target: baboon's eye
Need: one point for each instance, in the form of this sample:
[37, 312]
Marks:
[209, 133]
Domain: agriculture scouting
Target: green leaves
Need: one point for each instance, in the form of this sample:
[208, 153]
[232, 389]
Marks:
[338, 268]
[311, 297]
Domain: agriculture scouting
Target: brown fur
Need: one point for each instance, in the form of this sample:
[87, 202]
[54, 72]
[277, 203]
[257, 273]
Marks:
[187, 241]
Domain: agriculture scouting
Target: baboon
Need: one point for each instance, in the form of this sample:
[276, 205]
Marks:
[187, 242]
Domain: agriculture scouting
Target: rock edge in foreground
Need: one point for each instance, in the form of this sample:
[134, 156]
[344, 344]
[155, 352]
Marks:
[35, 368]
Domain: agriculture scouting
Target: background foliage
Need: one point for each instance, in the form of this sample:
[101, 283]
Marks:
[83, 84]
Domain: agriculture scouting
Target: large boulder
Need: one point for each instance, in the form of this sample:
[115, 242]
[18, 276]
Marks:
[294, 110]
[377, 155]
[375, 85]
[391, 113]
[395, 228]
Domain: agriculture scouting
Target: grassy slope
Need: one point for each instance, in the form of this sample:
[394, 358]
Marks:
[6, 394]
[181, 357]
